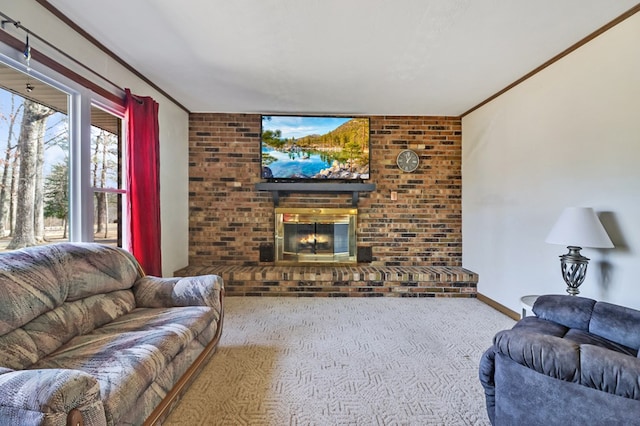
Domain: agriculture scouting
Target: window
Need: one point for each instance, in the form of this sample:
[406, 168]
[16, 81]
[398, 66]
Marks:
[61, 163]
[106, 176]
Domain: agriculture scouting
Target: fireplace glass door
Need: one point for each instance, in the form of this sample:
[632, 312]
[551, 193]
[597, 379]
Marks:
[315, 235]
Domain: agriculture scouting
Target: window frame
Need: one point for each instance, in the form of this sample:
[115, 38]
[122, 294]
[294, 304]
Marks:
[118, 111]
[80, 101]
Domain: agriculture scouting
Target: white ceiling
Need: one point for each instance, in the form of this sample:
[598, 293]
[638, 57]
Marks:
[401, 57]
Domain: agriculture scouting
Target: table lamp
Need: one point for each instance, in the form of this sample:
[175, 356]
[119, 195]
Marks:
[576, 228]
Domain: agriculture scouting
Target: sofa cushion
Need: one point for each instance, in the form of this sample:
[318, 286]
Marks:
[129, 353]
[572, 313]
[97, 269]
[24, 346]
[584, 338]
[541, 326]
[18, 350]
[616, 323]
[611, 372]
[30, 286]
[38, 279]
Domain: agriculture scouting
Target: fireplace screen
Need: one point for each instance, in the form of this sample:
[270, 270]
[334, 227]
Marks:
[315, 235]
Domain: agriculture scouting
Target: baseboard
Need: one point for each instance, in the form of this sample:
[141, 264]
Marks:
[499, 307]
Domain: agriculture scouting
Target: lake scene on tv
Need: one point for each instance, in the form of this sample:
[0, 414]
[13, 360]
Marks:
[315, 148]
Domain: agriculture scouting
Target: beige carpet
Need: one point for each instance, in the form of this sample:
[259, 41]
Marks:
[345, 361]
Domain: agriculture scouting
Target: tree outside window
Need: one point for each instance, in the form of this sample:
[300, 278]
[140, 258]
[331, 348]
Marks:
[34, 174]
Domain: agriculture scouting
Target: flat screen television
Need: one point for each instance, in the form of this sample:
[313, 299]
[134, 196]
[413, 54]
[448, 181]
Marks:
[314, 148]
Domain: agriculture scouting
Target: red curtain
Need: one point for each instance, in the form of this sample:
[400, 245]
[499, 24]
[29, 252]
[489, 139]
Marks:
[143, 181]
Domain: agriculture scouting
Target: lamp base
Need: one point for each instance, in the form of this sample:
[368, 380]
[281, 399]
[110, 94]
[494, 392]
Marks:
[574, 269]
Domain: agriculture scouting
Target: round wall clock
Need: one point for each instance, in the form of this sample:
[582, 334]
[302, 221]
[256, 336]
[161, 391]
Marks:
[408, 160]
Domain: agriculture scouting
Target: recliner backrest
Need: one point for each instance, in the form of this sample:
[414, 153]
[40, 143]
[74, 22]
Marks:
[616, 323]
[570, 311]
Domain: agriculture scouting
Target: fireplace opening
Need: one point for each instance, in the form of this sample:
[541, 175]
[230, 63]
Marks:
[315, 236]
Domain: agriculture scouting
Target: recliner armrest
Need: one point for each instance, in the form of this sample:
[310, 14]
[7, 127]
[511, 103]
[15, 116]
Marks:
[589, 365]
[549, 355]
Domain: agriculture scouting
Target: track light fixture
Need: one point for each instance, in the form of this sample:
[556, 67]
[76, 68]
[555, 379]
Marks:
[27, 51]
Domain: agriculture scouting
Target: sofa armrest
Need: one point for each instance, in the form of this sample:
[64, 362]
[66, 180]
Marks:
[549, 355]
[49, 396]
[486, 374]
[589, 365]
[202, 290]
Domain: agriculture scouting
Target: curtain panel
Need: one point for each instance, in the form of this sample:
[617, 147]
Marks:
[143, 181]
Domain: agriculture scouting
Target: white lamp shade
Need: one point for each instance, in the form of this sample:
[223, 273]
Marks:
[579, 226]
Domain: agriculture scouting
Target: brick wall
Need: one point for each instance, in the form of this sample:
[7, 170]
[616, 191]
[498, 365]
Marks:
[229, 219]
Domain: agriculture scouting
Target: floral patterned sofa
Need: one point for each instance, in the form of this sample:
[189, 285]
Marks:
[87, 338]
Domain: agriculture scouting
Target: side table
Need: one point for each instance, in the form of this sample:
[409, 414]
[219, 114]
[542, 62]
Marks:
[527, 304]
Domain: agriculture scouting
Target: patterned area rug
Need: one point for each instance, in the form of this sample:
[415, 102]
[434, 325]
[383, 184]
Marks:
[345, 361]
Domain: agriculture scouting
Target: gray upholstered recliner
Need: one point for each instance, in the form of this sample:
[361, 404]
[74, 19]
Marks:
[575, 363]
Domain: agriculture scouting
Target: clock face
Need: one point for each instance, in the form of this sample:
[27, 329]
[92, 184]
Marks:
[408, 160]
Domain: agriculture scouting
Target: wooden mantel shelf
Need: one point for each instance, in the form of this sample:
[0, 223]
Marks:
[308, 187]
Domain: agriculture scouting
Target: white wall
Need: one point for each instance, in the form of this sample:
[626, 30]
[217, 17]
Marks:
[174, 122]
[569, 136]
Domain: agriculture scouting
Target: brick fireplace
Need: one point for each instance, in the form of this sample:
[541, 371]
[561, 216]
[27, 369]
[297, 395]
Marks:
[411, 220]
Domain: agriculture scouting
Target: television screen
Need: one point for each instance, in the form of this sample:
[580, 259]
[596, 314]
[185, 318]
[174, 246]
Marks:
[314, 148]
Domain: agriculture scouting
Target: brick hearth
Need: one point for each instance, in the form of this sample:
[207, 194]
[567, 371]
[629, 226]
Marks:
[341, 281]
